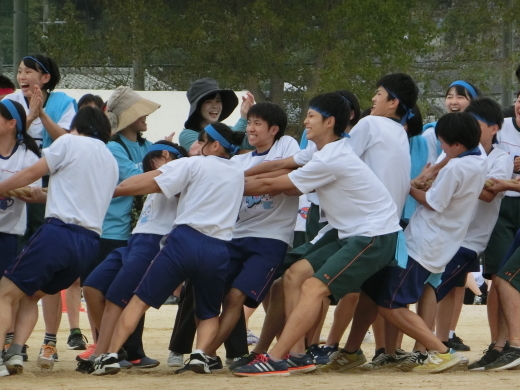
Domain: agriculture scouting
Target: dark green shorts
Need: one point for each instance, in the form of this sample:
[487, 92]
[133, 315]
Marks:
[312, 223]
[343, 265]
[510, 271]
[503, 234]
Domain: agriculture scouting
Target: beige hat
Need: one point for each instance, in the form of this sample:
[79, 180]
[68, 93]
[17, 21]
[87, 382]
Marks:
[125, 106]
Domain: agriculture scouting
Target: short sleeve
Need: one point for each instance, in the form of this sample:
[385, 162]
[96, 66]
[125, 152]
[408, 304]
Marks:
[502, 168]
[175, 176]
[127, 168]
[66, 120]
[289, 147]
[360, 136]
[56, 153]
[187, 137]
[443, 189]
[302, 157]
[313, 175]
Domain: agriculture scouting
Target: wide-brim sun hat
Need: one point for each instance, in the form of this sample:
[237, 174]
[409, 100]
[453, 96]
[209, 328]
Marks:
[208, 86]
[125, 106]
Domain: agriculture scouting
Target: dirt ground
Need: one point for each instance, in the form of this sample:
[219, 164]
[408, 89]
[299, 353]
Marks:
[472, 328]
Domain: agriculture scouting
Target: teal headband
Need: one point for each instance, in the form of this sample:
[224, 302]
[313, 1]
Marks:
[16, 116]
[479, 118]
[168, 148]
[39, 63]
[408, 111]
[210, 130]
[327, 115]
[469, 88]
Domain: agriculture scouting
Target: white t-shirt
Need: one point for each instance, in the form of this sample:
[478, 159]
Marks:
[211, 191]
[157, 215]
[83, 178]
[303, 213]
[509, 141]
[36, 129]
[434, 236]
[431, 140]
[499, 166]
[13, 215]
[268, 216]
[354, 200]
[382, 144]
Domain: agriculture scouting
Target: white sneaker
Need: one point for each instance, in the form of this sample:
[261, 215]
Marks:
[46, 358]
[3, 370]
[175, 359]
[13, 364]
[106, 364]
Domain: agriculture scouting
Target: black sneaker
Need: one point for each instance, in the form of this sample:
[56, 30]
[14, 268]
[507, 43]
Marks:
[319, 355]
[106, 364]
[77, 341]
[199, 363]
[263, 365]
[172, 300]
[490, 355]
[85, 367]
[508, 359]
[24, 353]
[457, 344]
[413, 360]
[215, 363]
[303, 363]
[378, 352]
[242, 361]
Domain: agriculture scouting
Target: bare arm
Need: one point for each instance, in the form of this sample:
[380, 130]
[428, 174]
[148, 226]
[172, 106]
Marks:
[419, 196]
[26, 176]
[268, 186]
[270, 166]
[37, 195]
[500, 185]
[269, 175]
[142, 184]
[487, 196]
[52, 128]
[430, 171]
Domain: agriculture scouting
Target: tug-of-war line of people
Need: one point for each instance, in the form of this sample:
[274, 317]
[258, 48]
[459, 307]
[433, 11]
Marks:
[398, 215]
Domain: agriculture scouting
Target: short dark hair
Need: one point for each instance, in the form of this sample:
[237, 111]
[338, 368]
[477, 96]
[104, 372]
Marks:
[415, 123]
[6, 82]
[272, 113]
[90, 98]
[233, 137]
[353, 103]
[487, 109]
[332, 104]
[402, 87]
[50, 68]
[27, 140]
[147, 159]
[458, 127]
[92, 122]
[464, 91]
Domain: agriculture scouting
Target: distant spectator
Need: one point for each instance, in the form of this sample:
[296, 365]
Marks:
[6, 86]
[91, 100]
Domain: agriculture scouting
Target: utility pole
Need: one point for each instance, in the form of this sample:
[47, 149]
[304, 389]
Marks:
[19, 32]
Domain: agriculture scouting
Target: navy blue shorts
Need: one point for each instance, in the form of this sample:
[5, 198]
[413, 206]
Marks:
[403, 287]
[253, 265]
[54, 257]
[460, 265]
[8, 247]
[188, 254]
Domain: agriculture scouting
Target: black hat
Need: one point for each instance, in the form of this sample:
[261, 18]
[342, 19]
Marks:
[207, 86]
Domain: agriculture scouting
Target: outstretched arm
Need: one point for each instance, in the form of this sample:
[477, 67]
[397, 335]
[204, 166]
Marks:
[26, 176]
[268, 186]
[270, 166]
[142, 184]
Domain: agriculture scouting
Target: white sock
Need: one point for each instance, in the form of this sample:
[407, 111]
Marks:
[452, 332]
[198, 351]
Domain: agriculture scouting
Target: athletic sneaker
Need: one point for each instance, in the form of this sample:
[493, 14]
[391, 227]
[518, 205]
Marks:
[85, 355]
[24, 353]
[330, 350]
[302, 363]
[490, 355]
[85, 367]
[125, 364]
[438, 362]
[343, 361]
[508, 359]
[13, 363]
[48, 355]
[401, 353]
[242, 361]
[198, 363]
[3, 370]
[263, 365]
[383, 360]
[172, 300]
[77, 341]
[215, 363]
[251, 338]
[175, 359]
[413, 360]
[457, 344]
[145, 362]
[106, 364]
[319, 355]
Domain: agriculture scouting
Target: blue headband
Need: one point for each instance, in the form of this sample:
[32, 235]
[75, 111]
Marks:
[210, 130]
[168, 148]
[39, 63]
[470, 89]
[479, 118]
[408, 111]
[348, 102]
[16, 116]
[327, 115]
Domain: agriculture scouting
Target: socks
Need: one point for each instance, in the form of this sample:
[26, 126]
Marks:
[9, 337]
[14, 349]
[75, 331]
[50, 337]
[452, 332]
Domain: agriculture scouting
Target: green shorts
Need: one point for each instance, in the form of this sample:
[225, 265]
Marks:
[312, 223]
[503, 234]
[343, 265]
[510, 271]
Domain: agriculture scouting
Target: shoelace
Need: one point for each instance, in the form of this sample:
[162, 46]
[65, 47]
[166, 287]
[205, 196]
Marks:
[261, 358]
[48, 351]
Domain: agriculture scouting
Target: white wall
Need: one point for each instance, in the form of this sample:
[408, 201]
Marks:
[169, 117]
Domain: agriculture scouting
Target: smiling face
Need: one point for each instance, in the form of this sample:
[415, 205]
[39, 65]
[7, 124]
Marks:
[28, 78]
[210, 110]
[314, 124]
[259, 134]
[455, 102]
[139, 125]
[517, 109]
[381, 106]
